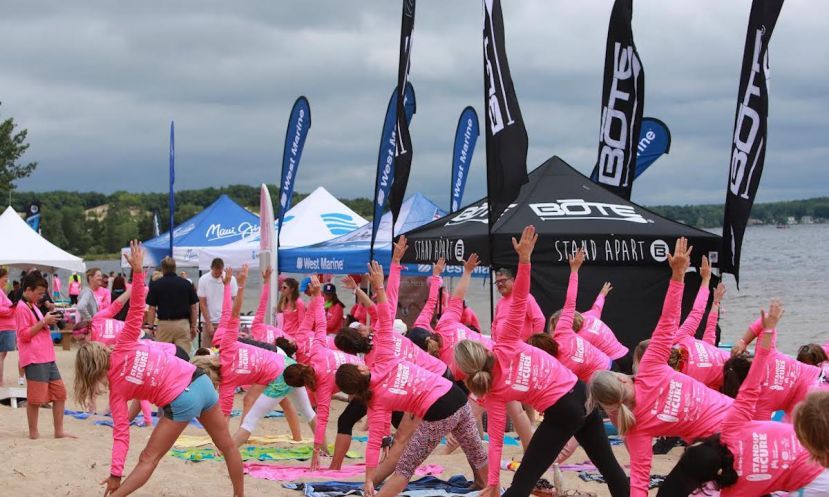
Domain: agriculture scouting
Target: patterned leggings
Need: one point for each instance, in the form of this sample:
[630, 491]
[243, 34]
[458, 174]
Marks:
[428, 435]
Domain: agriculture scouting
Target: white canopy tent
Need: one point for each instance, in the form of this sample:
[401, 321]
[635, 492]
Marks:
[22, 246]
[319, 217]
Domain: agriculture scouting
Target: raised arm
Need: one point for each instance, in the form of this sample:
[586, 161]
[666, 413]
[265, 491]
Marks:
[115, 307]
[565, 321]
[364, 299]
[659, 349]
[228, 331]
[510, 334]
[318, 310]
[393, 284]
[598, 304]
[424, 319]
[383, 330]
[262, 308]
[463, 285]
[743, 409]
[135, 315]
[692, 321]
[710, 335]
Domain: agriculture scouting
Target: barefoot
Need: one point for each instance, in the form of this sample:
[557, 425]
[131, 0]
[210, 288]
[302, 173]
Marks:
[34, 435]
[64, 435]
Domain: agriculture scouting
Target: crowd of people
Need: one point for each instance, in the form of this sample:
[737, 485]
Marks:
[437, 378]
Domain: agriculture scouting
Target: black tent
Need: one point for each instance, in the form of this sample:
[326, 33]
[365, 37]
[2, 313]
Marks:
[625, 244]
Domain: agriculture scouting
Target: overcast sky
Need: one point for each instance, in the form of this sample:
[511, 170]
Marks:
[97, 83]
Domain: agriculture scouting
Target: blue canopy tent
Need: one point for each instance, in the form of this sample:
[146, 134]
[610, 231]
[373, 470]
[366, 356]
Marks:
[222, 222]
[349, 253]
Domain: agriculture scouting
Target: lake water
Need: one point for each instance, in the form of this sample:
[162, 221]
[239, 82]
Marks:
[791, 264]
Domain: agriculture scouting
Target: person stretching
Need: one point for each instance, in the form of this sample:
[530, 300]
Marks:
[750, 458]
[661, 402]
[136, 370]
[258, 329]
[811, 423]
[516, 371]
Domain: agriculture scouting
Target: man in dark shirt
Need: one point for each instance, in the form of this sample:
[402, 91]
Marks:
[173, 299]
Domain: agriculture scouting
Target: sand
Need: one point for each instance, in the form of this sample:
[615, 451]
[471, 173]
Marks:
[70, 467]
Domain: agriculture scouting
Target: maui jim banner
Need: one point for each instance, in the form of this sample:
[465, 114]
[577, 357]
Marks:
[298, 125]
[623, 100]
[748, 145]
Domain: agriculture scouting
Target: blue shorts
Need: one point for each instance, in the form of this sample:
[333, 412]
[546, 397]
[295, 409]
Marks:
[8, 341]
[193, 401]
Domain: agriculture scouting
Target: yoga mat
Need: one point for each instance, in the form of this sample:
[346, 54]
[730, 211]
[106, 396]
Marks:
[253, 452]
[187, 441]
[456, 485]
[284, 472]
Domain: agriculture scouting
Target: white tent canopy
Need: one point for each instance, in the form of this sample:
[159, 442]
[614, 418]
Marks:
[23, 246]
[319, 217]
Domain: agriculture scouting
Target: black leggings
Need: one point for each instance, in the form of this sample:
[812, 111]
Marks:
[564, 419]
[355, 411]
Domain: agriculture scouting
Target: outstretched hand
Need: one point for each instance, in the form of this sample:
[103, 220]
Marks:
[227, 276]
[242, 276]
[719, 293]
[136, 256]
[680, 260]
[524, 247]
[471, 263]
[266, 275]
[349, 283]
[314, 286]
[705, 270]
[375, 274]
[606, 288]
[112, 483]
[772, 317]
[576, 260]
[400, 247]
[439, 266]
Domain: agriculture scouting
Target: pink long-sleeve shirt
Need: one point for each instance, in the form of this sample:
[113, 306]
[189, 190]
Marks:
[534, 321]
[102, 297]
[241, 364]
[392, 292]
[452, 331]
[597, 332]
[325, 361]
[705, 360]
[579, 355]
[396, 385]
[7, 320]
[470, 319]
[291, 319]
[521, 372]
[104, 328]
[139, 370]
[37, 349]
[767, 455]
[258, 329]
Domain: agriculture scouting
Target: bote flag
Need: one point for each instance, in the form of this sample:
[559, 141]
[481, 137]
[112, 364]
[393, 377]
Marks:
[748, 142]
[623, 100]
[403, 146]
[506, 136]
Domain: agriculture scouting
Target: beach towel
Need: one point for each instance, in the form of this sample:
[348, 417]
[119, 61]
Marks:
[656, 480]
[76, 414]
[282, 472]
[253, 453]
[187, 441]
[423, 487]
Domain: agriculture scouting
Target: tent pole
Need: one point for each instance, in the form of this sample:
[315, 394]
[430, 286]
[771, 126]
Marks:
[201, 325]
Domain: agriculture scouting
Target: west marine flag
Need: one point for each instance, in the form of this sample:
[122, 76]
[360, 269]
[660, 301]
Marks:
[748, 142]
[623, 100]
[298, 125]
[465, 138]
[506, 136]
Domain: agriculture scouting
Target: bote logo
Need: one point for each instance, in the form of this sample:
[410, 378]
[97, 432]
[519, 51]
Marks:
[659, 250]
[459, 250]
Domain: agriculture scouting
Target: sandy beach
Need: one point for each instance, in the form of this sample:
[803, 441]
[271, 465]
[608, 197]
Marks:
[70, 467]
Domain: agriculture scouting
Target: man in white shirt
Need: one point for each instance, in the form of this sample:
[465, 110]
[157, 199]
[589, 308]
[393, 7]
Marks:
[211, 295]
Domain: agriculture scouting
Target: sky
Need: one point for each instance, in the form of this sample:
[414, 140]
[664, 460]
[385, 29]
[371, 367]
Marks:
[97, 83]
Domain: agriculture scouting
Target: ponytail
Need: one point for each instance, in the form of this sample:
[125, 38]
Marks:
[351, 381]
[607, 391]
[287, 346]
[211, 366]
[735, 371]
[300, 375]
[434, 344]
[476, 363]
[544, 342]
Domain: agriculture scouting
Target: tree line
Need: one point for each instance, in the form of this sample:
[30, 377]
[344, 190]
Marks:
[68, 222]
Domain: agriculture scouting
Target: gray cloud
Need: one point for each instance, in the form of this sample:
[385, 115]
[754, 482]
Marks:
[97, 84]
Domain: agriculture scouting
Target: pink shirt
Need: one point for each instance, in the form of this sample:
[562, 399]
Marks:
[258, 329]
[405, 350]
[452, 331]
[579, 355]
[358, 311]
[334, 318]
[56, 284]
[469, 318]
[102, 297]
[325, 361]
[37, 349]
[138, 370]
[74, 288]
[104, 328]
[241, 364]
[291, 319]
[667, 402]
[392, 292]
[705, 360]
[767, 455]
[7, 320]
[396, 385]
[521, 372]
[534, 321]
[595, 331]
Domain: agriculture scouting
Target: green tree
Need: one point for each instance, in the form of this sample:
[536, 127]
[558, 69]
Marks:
[12, 147]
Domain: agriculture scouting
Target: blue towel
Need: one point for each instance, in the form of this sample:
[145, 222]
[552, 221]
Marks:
[76, 414]
[457, 484]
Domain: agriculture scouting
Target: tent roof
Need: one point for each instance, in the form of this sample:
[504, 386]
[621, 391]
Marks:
[24, 246]
[222, 222]
[568, 211]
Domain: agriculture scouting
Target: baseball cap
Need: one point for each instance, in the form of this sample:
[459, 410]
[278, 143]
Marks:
[329, 288]
[418, 336]
[303, 285]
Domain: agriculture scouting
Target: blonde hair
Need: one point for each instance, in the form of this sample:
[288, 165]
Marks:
[811, 424]
[91, 368]
[578, 321]
[677, 360]
[476, 363]
[607, 391]
[212, 366]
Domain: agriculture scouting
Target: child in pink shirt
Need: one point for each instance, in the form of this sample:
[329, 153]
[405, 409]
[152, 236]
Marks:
[387, 383]
[749, 458]
[37, 355]
[705, 361]
[259, 330]
[135, 369]
[659, 401]
[290, 306]
[516, 371]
